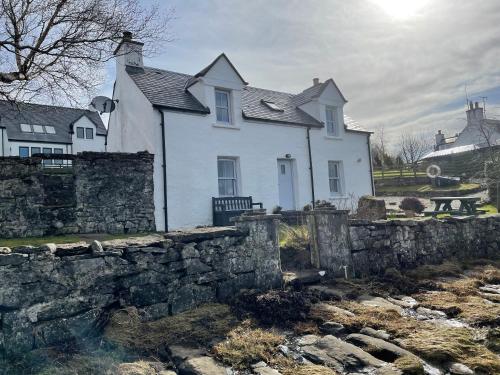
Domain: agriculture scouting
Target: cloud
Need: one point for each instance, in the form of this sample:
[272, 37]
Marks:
[405, 74]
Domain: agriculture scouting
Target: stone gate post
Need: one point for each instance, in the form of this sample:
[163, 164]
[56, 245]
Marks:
[329, 239]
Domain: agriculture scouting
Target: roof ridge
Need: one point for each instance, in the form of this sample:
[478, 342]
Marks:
[46, 105]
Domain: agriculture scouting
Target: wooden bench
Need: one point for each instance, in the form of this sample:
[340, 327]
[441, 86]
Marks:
[226, 208]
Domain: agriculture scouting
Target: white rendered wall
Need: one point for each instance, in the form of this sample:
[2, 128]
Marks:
[96, 144]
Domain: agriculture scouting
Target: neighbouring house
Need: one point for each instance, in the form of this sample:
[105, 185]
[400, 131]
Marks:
[479, 132]
[214, 135]
[27, 129]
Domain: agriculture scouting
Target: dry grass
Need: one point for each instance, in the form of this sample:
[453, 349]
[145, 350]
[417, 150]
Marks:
[462, 287]
[470, 308]
[198, 326]
[410, 365]
[444, 344]
[246, 345]
[294, 236]
[308, 370]
[448, 268]
[306, 328]
[138, 368]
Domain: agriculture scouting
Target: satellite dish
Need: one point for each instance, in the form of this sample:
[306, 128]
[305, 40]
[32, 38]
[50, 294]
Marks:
[102, 104]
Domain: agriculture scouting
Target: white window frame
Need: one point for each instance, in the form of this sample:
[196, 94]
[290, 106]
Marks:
[229, 110]
[236, 177]
[332, 127]
[339, 178]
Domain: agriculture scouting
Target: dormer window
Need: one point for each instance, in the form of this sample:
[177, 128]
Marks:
[222, 106]
[332, 128]
[272, 105]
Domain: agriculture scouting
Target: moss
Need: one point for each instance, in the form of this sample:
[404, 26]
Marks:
[410, 365]
[198, 326]
[246, 345]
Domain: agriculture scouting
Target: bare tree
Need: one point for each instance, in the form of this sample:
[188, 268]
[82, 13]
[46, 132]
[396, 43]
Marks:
[57, 48]
[413, 148]
[381, 146]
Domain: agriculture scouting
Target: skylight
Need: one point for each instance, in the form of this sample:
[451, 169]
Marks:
[272, 105]
[42, 129]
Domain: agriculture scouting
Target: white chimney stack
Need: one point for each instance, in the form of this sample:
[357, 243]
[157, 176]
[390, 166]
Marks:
[129, 51]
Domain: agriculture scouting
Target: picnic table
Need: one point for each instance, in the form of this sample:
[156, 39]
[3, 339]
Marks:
[467, 206]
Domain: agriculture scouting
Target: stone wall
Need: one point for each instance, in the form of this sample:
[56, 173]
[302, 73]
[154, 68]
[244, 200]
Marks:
[55, 294]
[100, 192]
[403, 244]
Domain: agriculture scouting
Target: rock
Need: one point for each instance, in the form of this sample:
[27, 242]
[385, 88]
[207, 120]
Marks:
[370, 208]
[379, 302]
[404, 301]
[266, 371]
[181, 353]
[96, 248]
[339, 355]
[425, 313]
[460, 369]
[284, 350]
[331, 328]
[495, 289]
[167, 372]
[325, 307]
[377, 347]
[307, 340]
[380, 334]
[259, 364]
[5, 250]
[142, 368]
[201, 366]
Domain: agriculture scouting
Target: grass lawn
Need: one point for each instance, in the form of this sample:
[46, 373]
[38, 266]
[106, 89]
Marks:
[70, 238]
[425, 188]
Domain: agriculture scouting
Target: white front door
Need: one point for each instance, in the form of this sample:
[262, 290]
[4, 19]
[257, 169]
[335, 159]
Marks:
[285, 182]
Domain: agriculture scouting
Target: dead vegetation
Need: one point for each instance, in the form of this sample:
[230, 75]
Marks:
[199, 326]
[246, 345]
[409, 365]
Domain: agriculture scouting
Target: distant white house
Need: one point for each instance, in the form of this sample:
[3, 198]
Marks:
[27, 129]
[214, 135]
[479, 131]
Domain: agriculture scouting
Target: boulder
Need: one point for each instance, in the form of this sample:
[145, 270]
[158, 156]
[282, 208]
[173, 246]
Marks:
[380, 334]
[308, 340]
[425, 313]
[460, 369]
[201, 366]
[339, 355]
[266, 371]
[370, 208]
[331, 328]
[495, 289]
[179, 354]
[326, 308]
[379, 302]
[404, 301]
[379, 348]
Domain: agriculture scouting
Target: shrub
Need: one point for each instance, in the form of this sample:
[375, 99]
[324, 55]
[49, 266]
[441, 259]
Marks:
[412, 204]
[277, 209]
[307, 207]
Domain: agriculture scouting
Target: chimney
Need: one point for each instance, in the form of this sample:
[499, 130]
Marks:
[315, 81]
[477, 105]
[129, 52]
[474, 113]
[471, 107]
[439, 139]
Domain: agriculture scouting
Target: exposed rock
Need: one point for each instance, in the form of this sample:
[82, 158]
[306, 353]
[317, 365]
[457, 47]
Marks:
[331, 328]
[259, 364]
[380, 334]
[339, 355]
[379, 302]
[325, 307]
[404, 301]
[460, 369]
[201, 366]
[5, 250]
[142, 368]
[495, 289]
[308, 340]
[266, 371]
[181, 353]
[284, 350]
[425, 313]
[96, 247]
[371, 208]
[377, 347]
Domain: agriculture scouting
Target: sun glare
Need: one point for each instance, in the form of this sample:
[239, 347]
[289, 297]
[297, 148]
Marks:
[401, 9]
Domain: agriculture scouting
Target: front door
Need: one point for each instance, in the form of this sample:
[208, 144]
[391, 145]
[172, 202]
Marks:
[285, 182]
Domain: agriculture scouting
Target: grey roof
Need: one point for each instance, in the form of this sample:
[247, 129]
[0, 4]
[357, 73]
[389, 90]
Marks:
[168, 90]
[61, 118]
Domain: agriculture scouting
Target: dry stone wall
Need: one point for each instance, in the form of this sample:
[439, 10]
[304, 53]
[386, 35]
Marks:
[101, 192]
[54, 294]
[403, 244]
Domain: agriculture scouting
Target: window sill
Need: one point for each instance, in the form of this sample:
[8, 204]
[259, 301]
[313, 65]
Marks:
[222, 126]
[333, 137]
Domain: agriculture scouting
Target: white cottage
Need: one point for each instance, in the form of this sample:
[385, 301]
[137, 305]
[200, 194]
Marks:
[27, 129]
[214, 135]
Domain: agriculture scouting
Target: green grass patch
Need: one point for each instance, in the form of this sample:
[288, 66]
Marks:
[63, 239]
[426, 188]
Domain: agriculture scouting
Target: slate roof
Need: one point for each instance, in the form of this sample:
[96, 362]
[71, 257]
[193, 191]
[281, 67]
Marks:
[168, 90]
[61, 118]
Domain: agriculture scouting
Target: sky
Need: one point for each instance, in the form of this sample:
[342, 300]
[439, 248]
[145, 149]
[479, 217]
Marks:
[404, 65]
